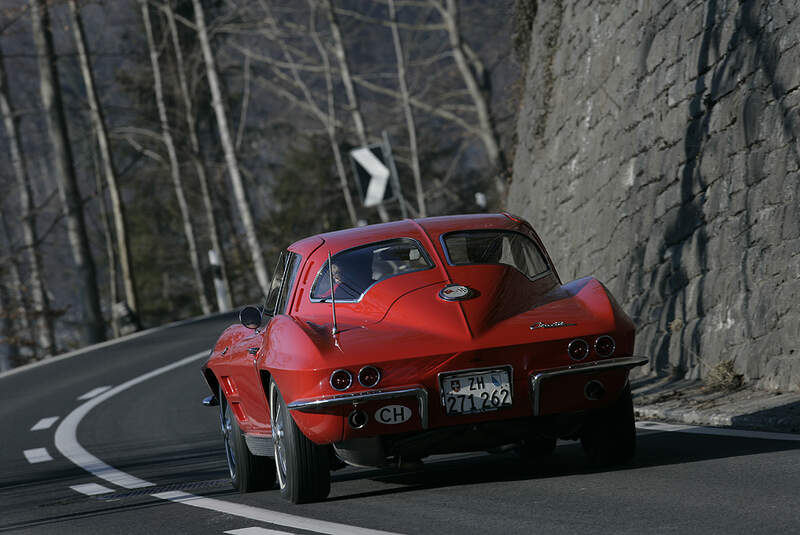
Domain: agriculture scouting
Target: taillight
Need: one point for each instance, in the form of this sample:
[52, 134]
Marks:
[369, 376]
[605, 346]
[578, 349]
[341, 380]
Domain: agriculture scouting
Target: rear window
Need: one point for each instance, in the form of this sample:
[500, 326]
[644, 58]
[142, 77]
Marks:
[356, 269]
[495, 247]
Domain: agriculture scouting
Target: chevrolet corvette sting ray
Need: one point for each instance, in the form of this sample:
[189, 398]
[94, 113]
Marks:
[378, 346]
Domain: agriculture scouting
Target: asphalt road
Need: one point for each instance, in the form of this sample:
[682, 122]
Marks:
[154, 430]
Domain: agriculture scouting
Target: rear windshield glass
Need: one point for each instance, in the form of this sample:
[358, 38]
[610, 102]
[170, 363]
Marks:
[495, 247]
[356, 269]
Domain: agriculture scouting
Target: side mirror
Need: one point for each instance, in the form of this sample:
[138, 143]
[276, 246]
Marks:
[251, 317]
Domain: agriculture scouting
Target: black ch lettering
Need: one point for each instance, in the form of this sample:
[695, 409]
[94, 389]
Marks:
[385, 412]
[399, 412]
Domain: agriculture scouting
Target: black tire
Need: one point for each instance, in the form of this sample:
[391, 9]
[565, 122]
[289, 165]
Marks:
[249, 473]
[609, 436]
[302, 467]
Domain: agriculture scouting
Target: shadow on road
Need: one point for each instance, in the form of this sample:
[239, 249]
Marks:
[654, 449]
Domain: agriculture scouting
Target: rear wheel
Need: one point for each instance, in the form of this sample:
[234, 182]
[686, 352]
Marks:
[302, 467]
[248, 472]
[609, 437]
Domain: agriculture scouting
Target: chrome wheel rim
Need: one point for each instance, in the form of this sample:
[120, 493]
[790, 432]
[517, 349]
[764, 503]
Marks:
[227, 428]
[278, 423]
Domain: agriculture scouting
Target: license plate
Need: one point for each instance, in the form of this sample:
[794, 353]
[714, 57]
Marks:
[476, 391]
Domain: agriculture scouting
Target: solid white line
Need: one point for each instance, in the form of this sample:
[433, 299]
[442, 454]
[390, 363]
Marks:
[37, 455]
[66, 433]
[719, 431]
[67, 443]
[94, 392]
[44, 423]
[91, 489]
[265, 515]
[256, 531]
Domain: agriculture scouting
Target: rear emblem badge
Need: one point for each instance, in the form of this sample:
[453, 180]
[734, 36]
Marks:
[542, 325]
[455, 292]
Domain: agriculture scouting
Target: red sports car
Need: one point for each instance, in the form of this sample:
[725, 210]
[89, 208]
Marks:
[380, 345]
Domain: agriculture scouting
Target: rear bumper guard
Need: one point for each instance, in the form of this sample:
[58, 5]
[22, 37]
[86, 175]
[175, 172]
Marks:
[323, 404]
[588, 367]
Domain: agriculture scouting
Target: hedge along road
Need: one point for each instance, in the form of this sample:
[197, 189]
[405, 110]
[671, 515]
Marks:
[147, 449]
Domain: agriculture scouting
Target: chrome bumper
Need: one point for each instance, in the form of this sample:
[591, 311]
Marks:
[322, 404]
[587, 367]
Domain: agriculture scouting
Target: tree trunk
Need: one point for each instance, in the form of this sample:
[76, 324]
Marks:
[262, 274]
[340, 52]
[109, 243]
[11, 352]
[197, 158]
[488, 133]
[407, 111]
[45, 336]
[99, 126]
[17, 298]
[68, 191]
[175, 171]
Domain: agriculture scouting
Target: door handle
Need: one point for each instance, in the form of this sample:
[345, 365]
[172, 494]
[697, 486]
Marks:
[253, 350]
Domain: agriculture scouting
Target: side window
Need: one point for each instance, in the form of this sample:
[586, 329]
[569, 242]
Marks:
[292, 266]
[275, 288]
[495, 247]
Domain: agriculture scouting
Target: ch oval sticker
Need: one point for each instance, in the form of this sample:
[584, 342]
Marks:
[393, 414]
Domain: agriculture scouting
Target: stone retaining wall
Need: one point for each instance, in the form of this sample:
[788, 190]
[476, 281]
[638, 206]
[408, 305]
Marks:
[658, 151]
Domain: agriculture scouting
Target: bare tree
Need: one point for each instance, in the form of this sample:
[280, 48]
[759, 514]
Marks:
[107, 162]
[45, 336]
[340, 52]
[327, 117]
[407, 111]
[197, 157]
[18, 308]
[262, 275]
[175, 171]
[69, 193]
[471, 68]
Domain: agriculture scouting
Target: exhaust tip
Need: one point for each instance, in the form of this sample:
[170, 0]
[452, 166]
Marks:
[357, 419]
[594, 390]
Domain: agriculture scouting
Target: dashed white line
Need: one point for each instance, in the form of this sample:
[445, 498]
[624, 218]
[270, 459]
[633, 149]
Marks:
[37, 455]
[94, 392]
[718, 431]
[265, 515]
[44, 423]
[256, 531]
[91, 489]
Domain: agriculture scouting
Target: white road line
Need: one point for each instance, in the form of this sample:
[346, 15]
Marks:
[67, 440]
[265, 515]
[37, 455]
[719, 431]
[256, 531]
[44, 423]
[67, 443]
[91, 489]
[94, 392]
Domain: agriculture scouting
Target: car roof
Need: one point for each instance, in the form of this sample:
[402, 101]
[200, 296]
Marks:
[406, 228]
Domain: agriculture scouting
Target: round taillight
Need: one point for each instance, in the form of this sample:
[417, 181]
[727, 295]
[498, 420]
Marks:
[341, 380]
[605, 346]
[578, 349]
[369, 376]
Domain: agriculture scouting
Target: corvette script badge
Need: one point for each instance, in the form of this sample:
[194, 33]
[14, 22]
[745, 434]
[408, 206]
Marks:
[542, 325]
[455, 292]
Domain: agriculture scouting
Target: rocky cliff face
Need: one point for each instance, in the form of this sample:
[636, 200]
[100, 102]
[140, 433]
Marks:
[658, 150]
